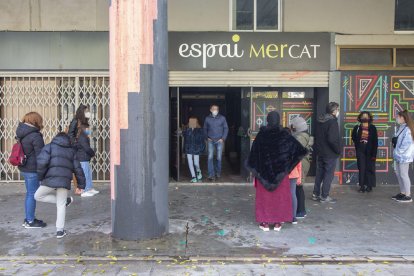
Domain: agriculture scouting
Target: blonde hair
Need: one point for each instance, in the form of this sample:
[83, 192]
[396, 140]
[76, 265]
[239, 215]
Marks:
[34, 119]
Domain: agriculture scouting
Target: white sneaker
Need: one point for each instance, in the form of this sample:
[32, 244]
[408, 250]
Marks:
[94, 191]
[87, 194]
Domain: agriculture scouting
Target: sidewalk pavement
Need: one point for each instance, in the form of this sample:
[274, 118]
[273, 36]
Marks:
[359, 228]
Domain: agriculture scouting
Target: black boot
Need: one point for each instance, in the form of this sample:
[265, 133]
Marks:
[362, 189]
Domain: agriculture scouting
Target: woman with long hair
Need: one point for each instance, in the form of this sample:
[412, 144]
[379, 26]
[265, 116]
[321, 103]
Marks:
[82, 116]
[274, 154]
[194, 145]
[365, 138]
[31, 139]
[403, 143]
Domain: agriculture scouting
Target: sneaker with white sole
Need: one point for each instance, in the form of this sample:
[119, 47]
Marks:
[315, 197]
[69, 201]
[264, 226]
[94, 191]
[61, 234]
[405, 199]
[87, 194]
[278, 227]
[36, 224]
[328, 199]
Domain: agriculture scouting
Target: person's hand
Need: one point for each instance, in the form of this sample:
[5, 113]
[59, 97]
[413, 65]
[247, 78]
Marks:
[221, 141]
[209, 139]
[78, 191]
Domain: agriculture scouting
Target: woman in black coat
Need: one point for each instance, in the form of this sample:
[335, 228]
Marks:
[365, 138]
[81, 118]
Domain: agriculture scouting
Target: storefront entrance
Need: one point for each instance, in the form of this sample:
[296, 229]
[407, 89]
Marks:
[245, 109]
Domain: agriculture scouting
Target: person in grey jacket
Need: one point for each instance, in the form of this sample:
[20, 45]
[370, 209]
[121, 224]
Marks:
[55, 165]
[216, 131]
[403, 143]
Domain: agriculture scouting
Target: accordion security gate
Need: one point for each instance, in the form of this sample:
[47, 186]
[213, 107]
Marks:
[55, 96]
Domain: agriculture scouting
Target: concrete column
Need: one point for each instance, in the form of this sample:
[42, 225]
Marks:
[139, 118]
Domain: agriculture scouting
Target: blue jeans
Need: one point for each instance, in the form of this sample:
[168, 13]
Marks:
[293, 184]
[32, 184]
[214, 170]
[88, 175]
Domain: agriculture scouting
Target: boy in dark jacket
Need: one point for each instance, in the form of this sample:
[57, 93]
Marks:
[55, 165]
[84, 154]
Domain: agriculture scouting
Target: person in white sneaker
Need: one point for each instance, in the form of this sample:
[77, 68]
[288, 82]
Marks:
[84, 153]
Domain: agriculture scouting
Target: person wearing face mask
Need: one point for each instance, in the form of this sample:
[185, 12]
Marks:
[365, 138]
[327, 147]
[403, 143]
[84, 154]
[216, 131]
[82, 116]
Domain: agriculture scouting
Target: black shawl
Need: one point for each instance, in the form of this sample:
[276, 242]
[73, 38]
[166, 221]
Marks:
[273, 155]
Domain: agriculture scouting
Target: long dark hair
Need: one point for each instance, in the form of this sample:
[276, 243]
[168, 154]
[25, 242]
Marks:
[408, 120]
[80, 114]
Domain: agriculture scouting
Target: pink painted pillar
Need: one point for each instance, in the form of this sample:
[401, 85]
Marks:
[139, 118]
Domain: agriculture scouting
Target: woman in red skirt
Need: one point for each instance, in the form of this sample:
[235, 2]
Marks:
[273, 156]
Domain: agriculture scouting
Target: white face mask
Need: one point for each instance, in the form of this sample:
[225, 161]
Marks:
[215, 113]
[87, 115]
[337, 114]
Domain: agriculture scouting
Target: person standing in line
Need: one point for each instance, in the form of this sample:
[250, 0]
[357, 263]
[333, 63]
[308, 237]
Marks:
[84, 154]
[82, 116]
[300, 132]
[403, 143]
[31, 140]
[273, 155]
[365, 138]
[56, 164]
[327, 146]
[194, 145]
[216, 131]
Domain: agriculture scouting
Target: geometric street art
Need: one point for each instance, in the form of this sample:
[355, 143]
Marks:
[384, 94]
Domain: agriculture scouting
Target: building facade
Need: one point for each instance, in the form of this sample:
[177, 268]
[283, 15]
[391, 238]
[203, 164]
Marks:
[247, 56]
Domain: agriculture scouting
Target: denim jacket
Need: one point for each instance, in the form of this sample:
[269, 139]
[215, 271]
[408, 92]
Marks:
[404, 151]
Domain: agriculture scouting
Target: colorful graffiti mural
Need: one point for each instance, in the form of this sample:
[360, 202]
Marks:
[384, 94]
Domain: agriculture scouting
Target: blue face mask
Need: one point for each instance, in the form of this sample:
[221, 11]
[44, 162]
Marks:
[87, 132]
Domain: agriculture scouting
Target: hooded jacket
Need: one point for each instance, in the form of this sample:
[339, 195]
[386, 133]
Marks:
[327, 141]
[32, 142]
[57, 162]
[274, 154]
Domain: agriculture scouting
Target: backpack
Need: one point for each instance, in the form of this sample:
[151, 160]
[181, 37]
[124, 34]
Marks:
[17, 156]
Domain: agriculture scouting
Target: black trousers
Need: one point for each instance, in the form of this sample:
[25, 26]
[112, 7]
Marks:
[366, 167]
[300, 195]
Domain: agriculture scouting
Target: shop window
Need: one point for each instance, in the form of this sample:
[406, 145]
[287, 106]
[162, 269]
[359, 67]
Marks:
[405, 57]
[255, 15]
[404, 15]
[381, 57]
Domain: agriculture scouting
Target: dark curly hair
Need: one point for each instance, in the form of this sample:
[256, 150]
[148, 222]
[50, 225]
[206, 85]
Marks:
[371, 118]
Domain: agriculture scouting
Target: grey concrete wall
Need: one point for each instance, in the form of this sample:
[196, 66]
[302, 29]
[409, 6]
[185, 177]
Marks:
[54, 51]
[340, 16]
[54, 15]
[198, 15]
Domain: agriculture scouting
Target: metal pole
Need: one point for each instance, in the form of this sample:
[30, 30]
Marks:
[139, 114]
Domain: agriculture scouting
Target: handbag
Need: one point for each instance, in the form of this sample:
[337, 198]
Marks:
[394, 140]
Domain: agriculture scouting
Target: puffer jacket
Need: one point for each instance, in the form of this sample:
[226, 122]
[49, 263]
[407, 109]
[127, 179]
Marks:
[404, 151]
[194, 141]
[84, 151]
[57, 162]
[32, 142]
